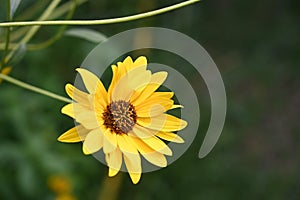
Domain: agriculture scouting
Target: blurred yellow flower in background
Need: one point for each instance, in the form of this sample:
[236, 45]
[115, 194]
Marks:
[61, 187]
[127, 120]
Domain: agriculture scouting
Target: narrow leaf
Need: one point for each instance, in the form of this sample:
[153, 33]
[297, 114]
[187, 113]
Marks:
[14, 4]
[86, 34]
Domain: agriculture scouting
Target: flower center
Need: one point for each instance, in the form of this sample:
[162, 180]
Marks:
[120, 117]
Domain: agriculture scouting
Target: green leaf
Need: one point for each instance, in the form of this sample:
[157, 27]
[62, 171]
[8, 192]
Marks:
[86, 34]
[14, 4]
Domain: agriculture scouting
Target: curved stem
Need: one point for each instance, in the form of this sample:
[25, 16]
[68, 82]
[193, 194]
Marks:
[31, 11]
[58, 12]
[34, 89]
[103, 21]
[59, 33]
[34, 29]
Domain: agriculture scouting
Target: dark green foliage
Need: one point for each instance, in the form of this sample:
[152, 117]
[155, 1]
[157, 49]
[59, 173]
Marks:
[256, 46]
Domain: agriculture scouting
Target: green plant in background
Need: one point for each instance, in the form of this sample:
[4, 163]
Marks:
[255, 45]
[17, 50]
[15, 43]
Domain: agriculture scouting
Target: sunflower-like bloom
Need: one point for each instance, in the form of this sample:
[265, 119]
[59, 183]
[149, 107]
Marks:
[127, 120]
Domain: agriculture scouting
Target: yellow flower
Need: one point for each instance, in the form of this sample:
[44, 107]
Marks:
[61, 186]
[5, 71]
[126, 121]
[65, 197]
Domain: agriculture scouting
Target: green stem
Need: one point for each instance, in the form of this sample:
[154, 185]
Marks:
[34, 29]
[34, 89]
[58, 34]
[7, 35]
[103, 21]
[58, 12]
[110, 187]
[31, 11]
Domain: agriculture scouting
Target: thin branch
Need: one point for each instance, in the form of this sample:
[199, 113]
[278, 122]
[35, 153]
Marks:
[34, 29]
[103, 21]
[33, 88]
[59, 33]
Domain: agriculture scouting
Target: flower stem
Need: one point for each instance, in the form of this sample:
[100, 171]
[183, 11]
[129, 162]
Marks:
[103, 21]
[34, 89]
[110, 187]
[59, 33]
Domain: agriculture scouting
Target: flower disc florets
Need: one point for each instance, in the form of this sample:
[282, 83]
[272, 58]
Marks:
[120, 117]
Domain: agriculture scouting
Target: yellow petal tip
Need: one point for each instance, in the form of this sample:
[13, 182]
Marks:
[135, 177]
[85, 151]
[63, 138]
[183, 124]
[60, 139]
[112, 172]
[178, 140]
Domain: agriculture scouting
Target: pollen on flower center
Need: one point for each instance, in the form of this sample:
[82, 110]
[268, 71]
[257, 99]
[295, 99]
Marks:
[120, 117]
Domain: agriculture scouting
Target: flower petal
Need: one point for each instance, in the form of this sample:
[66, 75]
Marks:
[156, 158]
[172, 137]
[125, 144]
[68, 110]
[74, 109]
[127, 63]
[118, 73]
[93, 142]
[140, 61]
[155, 95]
[133, 165]
[158, 145]
[113, 82]
[77, 95]
[148, 137]
[100, 98]
[163, 94]
[114, 161]
[131, 81]
[164, 122]
[110, 141]
[92, 82]
[176, 106]
[141, 132]
[123, 68]
[88, 119]
[99, 105]
[156, 81]
[149, 154]
[75, 134]
[153, 106]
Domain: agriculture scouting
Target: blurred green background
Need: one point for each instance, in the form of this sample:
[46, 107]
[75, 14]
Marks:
[256, 46]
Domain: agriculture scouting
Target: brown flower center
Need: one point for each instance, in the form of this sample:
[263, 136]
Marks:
[120, 117]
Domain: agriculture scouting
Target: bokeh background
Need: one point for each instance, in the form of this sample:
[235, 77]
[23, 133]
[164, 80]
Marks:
[256, 46]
